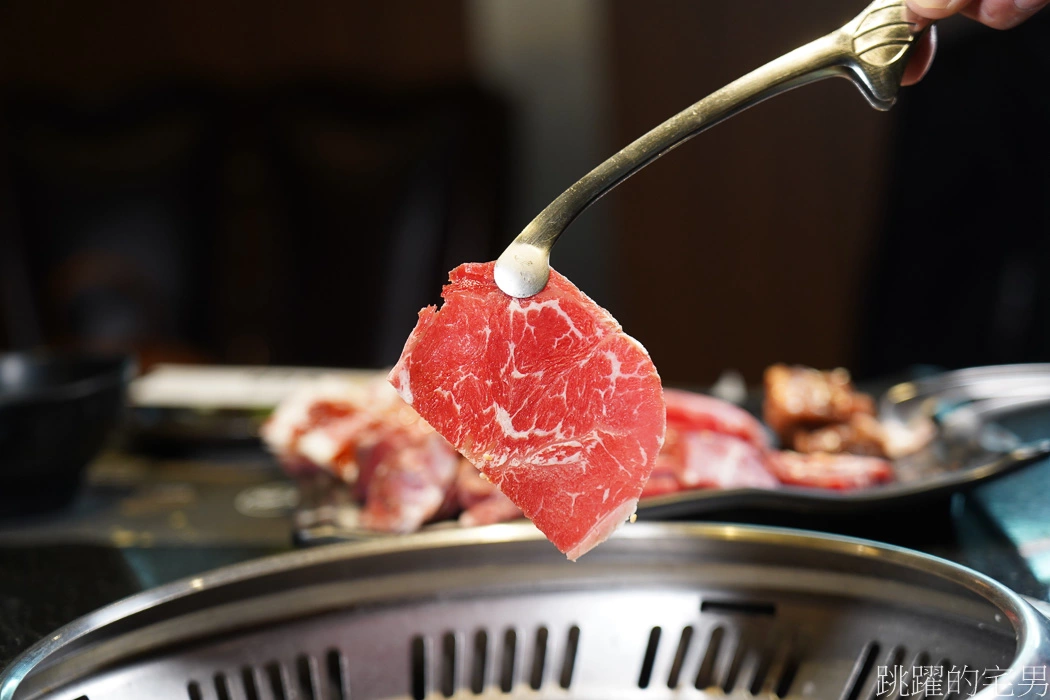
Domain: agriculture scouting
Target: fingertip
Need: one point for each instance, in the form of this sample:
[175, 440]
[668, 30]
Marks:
[936, 9]
[921, 60]
[1003, 14]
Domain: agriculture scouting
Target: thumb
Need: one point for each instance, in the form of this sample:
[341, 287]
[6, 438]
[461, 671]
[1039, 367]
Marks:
[937, 9]
[921, 58]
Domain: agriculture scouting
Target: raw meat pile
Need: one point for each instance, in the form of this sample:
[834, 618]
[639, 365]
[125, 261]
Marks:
[546, 396]
[712, 444]
[405, 475]
[402, 472]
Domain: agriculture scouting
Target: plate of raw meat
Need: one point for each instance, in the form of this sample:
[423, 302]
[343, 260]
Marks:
[368, 465]
[834, 450]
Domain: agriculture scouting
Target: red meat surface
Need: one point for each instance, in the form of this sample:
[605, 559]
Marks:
[547, 396]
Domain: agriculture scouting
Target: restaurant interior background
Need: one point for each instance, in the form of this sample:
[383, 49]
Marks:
[287, 184]
[228, 182]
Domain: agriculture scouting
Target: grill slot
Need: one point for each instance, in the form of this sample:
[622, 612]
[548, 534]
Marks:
[944, 664]
[448, 664]
[705, 675]
[418, 666]
[921, 659]
[481, 653]
[251, 688]
[738, 608]
[306, 672]
[896, 660]
[650, 656]
[787, 677]
[506, 675]
[569, 661]
[193, 689]
[539, 659]
[679, 658]
[862, 671]
[338, 678]
[734, 667]
[222, 689]
[762, 668]
[278, 681]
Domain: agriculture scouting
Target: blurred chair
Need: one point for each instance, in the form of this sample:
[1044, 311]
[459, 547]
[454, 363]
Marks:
[298, 224]
[380, 195]
[115, 217]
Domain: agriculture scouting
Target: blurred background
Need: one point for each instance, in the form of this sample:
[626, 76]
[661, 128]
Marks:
[232, 183]
[259, 183]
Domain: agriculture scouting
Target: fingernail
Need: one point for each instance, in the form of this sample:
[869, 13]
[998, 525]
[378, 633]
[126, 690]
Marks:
[1029, 5]
[934, 4]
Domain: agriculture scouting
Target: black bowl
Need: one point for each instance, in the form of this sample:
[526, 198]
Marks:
[56, 413]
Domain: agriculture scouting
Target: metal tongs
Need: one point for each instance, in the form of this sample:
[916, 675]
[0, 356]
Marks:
[872, 51]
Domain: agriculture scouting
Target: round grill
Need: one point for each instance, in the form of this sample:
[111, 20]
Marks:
[659, 611]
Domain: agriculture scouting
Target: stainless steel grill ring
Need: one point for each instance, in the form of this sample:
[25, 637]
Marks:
[659, 611]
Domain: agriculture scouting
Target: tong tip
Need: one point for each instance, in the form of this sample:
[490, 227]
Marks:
[522, 270]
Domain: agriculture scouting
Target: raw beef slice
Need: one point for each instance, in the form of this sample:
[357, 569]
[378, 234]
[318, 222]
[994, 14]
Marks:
[547, 396]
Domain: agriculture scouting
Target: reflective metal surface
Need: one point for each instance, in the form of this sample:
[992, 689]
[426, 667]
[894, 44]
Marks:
[659, 611]
[872, 51]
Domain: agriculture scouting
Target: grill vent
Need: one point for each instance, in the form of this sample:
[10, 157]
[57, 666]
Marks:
[773, 664]
[705, 676]
[418, 664]
[481, 653]
[679, 657]
[568, 663]
[734, 668]
[338, 678]
[306, 675]
[476, 659]
[308, 681]
[787, 676]
[539, 659]
[506, 674]
[733, 607]
[278, 685]
[251, 688]
[448, 664]
[650, 657]
[900, 675]
[222, 689]
[862, 670]
[893, 660]
[946, 665]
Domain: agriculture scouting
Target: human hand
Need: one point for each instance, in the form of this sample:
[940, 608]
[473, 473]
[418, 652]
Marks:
[998, 14]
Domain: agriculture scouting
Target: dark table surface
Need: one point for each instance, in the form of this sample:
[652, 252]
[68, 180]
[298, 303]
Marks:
[140, 522]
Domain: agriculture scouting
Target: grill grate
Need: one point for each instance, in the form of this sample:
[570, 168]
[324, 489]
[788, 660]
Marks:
[676, 616]
[731, 647]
